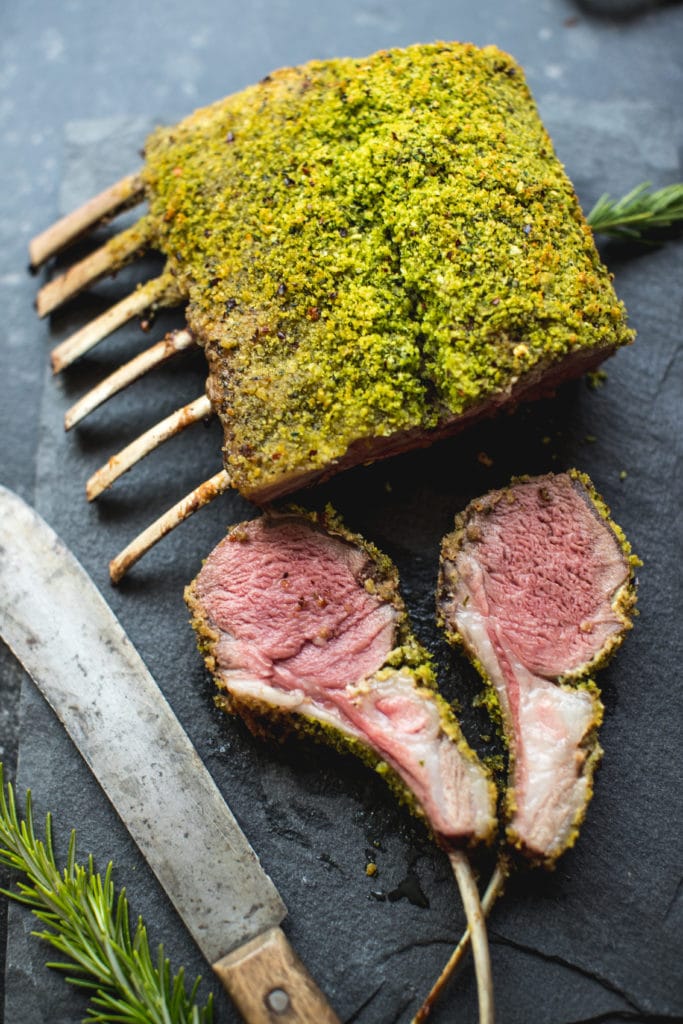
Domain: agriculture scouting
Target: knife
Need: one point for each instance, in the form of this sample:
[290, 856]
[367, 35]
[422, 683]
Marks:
[61, 629]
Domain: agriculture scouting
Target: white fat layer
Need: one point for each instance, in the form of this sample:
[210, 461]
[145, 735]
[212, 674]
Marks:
[551, 789]
[545, 735]
[452, 788]
[249, 687]
[473, 628]
[402, 725]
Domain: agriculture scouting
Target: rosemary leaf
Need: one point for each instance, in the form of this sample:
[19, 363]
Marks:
[89, 926]
[638, 212]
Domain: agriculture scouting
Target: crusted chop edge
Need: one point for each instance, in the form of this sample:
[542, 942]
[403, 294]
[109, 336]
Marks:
[268, 722]
[541, 381]
[623, 605]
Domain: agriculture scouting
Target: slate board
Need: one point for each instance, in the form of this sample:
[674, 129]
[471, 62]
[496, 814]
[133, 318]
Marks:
[598, 939]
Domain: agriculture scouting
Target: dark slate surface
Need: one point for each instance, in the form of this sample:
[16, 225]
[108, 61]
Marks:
[598, 939]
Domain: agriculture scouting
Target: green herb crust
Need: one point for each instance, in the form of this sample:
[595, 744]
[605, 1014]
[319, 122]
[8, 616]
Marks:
[372, 248]
[267, 721]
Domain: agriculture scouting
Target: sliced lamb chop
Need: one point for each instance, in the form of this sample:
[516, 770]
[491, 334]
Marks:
[298, 617]
[536, 583]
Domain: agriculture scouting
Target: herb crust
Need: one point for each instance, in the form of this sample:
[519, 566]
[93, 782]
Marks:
[378, 244]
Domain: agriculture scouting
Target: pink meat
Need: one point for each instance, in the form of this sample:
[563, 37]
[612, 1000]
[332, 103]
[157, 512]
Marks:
[298, 626]
[287, 602]
[533, 582]
[549, 570]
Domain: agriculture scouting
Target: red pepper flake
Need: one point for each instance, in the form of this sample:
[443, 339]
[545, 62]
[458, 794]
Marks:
[313, 313]
[177, 171]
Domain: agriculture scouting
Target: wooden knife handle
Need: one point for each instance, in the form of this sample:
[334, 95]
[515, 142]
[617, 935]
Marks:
[270, 985]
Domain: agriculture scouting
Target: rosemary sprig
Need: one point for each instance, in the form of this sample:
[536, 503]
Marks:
[90, 927]
[638, 211]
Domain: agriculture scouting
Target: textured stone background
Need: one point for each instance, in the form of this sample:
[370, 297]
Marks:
[599, 939]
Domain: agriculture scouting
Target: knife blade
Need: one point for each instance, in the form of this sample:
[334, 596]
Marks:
[61, 629]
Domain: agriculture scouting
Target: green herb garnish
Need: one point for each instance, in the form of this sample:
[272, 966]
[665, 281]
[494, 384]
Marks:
[638, 211]
[89, 926]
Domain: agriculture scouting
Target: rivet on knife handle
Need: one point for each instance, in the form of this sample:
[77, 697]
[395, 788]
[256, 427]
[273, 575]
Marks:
[270, 985]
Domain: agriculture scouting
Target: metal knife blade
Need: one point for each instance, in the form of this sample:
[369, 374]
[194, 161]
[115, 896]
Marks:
[59, 626]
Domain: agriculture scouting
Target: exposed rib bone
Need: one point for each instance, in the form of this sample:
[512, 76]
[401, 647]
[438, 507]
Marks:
[143, 445]
[125, 193]
[175, 341]
[195, 500]
[160, 290]
[117, 252]
[493, 891]
[464, 876]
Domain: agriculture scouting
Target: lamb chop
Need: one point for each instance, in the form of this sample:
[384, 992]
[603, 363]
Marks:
[536, 583]
[302, 626]
[374, 254]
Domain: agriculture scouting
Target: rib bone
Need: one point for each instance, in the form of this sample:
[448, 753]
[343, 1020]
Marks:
[195, 500]
[175, 341]
[117, 252]
[160, 290]
[476, 923]
[124, 193]
[143, 445]
[493, 891]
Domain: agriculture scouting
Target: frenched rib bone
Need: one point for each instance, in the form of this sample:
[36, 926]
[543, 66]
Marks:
[536, 583]
[301, 622]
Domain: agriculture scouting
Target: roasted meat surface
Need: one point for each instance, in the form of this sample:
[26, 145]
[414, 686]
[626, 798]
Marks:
[536, 583]
[301, 624]
[375, 253]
